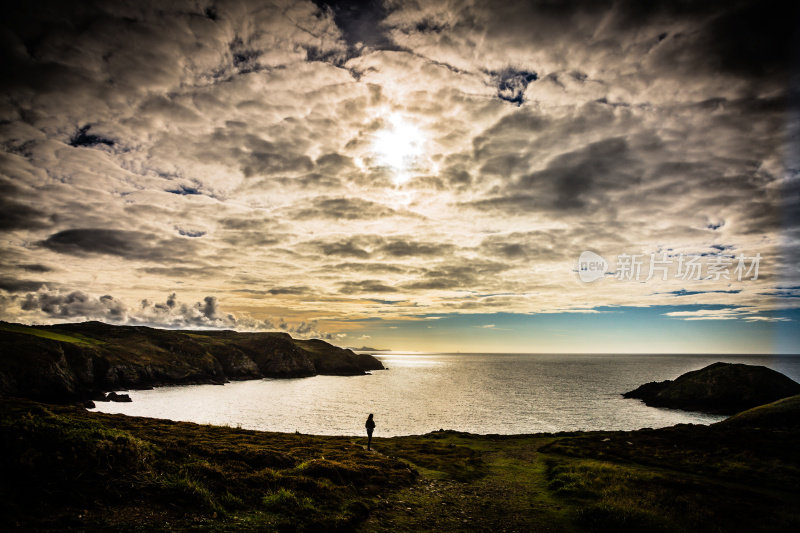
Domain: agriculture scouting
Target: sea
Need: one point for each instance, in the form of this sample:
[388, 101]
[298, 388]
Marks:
[423, 392]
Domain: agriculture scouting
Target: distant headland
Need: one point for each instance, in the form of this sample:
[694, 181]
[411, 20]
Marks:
[81, 361]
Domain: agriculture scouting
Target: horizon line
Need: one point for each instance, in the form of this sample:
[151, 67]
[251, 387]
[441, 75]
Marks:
[412, 352]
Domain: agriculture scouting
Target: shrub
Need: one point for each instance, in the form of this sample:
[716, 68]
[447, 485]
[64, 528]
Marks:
[283, 500]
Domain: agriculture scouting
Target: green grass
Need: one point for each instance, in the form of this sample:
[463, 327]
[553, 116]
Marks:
[67, 469]
[310, 346]
[72, 338]
[59, 462]
[782, 413]
[283, 499]
[671, 480]
[470, 482]
[438, 458]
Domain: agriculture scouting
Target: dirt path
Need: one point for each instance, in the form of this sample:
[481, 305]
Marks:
[511, 497]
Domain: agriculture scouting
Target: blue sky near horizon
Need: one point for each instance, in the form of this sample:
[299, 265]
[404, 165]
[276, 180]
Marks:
[604, 330]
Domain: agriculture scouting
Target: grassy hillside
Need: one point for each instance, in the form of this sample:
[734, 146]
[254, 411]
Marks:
[64, 468]
[69, 362]
[781, 414]
[49, 333]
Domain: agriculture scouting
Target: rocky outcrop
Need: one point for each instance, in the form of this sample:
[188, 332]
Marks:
[329, 359]
[724, 388]
[79, 362]
[114, 397]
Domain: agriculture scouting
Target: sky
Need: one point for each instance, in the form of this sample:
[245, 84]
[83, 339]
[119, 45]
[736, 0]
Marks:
[407, 175]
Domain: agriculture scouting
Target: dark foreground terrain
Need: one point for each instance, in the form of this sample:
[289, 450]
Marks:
[64, 468]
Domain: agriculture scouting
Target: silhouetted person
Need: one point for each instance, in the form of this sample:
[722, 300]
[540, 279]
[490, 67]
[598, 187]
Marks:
[370, 425]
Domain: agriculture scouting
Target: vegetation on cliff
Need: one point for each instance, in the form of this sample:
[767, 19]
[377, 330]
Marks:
[70, 362]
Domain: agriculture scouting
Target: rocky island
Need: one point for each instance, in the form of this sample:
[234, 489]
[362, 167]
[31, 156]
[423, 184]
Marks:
[723, 388]
[81, 361]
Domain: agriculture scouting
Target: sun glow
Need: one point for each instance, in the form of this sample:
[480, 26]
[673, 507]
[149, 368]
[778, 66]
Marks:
[398, 147]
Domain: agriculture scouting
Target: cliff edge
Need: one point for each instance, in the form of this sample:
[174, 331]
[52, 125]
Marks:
[73, 362]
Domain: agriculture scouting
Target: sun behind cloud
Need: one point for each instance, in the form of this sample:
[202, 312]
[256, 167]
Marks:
[399, 146]
[305, 164]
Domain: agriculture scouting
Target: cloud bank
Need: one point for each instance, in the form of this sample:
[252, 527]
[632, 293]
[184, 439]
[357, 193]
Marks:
[228, 151]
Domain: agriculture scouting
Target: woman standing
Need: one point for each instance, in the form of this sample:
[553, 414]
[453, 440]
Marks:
[370, 425]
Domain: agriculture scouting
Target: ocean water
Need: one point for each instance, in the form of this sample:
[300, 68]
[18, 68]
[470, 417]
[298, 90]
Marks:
[479, 393]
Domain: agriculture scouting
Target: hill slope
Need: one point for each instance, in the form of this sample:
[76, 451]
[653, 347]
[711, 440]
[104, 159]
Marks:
[71, 362]
[783, 414]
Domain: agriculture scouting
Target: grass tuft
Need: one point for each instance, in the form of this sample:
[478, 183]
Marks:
[284, 499]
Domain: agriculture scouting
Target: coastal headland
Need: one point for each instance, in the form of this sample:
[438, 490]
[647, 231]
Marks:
[64, 468]
[81, 361]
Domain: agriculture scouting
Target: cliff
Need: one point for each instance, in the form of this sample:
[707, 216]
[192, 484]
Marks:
[718, 388]
[70, 362]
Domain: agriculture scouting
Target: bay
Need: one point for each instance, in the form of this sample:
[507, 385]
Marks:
[419, 393]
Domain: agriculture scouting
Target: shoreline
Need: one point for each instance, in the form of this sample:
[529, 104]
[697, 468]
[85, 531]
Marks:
[566, 432]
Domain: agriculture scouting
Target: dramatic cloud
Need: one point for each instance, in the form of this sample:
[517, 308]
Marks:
[126, 244]
[76, 304]
[511, 84]
[15, 215]
[19, 285]
[310, 165]
[205, 314]
[343, 209]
